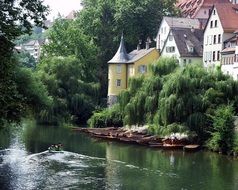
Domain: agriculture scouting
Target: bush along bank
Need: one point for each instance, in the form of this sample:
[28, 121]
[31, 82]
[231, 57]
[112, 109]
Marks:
[175, 99]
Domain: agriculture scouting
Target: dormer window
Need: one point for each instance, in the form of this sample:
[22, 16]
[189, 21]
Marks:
[190, 46]
[190, 49]
[170, 37]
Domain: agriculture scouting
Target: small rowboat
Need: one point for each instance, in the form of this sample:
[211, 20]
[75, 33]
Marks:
[191, 147]
[56, 151]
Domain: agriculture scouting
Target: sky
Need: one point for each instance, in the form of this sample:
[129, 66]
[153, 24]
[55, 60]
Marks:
[64, 7]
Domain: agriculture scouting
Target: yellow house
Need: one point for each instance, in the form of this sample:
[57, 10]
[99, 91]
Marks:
[124, 65]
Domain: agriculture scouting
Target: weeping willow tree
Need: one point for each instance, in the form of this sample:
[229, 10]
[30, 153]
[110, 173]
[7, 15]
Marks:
[75, 95]
[177, 99]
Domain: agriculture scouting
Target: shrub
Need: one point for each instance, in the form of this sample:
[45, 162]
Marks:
[222, 134]
[110, 117]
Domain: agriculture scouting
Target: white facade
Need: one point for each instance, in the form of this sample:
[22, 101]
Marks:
[33, 47]
[214, 36]
[173, 22]
[171, 50]
[230, 64]
[162, 34]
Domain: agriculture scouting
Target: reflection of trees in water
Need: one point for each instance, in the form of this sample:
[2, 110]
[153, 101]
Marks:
[39, 138]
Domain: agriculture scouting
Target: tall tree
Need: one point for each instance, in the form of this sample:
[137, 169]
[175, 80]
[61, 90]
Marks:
[105, 20]
[15, 19]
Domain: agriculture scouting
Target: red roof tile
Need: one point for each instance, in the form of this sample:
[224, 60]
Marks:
[191, 7]
[228, 14]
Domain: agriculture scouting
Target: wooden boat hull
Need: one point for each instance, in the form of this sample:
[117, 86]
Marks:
[191, 147]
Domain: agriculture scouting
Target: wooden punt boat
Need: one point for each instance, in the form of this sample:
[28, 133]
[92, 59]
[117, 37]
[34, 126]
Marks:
[191, 147]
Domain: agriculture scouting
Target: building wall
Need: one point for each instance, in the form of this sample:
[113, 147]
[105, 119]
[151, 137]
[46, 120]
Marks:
[170, 43]
[113, 76]
[203, 13]
[127, 70]
[230, 64]
[146, 60]
[190, 60]
[162, 34]
[209, 47]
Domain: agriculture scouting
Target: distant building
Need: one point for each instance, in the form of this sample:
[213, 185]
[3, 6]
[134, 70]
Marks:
[221, 25]
[33, 47]
[173, 22]
[185, 45]
[123, 66]
[72, 15]
[229, 57]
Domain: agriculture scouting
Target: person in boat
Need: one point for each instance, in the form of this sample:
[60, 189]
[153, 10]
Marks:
[51, 148]
[173, 139]
[60, 146]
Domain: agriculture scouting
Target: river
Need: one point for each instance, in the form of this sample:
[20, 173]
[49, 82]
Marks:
[88, 163]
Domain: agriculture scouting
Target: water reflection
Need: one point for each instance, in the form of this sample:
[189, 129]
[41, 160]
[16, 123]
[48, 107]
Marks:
[89, 163]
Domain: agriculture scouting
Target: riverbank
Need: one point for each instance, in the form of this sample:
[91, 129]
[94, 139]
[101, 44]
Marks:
[140, 137]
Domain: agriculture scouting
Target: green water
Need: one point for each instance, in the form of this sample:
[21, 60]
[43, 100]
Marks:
[89, 163]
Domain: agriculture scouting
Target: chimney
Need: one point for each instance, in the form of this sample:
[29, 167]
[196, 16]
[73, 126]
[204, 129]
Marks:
[138, 46]
[147, 45]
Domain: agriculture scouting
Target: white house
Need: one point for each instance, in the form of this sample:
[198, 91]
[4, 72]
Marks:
[229, 57]
[223, 21]
[185, 45]
[173, 22]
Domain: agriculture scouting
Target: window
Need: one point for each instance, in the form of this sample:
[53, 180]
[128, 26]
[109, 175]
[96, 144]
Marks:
[118, 68]
[162, 30]
[214, 39]
[170, 49]
[170, 37]
[213, 56]
[131, 70]
[219, 39]
[218, 56]
[236, 57]
[184, 61]
[209, 55]
[211, 24]
[205, 12]
[142, 69]
[214, 12]
[210, 40]
[215, 23]
[189, 61]
[205, 56]
[118, 82]
[190, 49]
[207, 40]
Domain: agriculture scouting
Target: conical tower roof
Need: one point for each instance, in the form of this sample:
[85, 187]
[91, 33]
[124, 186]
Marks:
[121, 55]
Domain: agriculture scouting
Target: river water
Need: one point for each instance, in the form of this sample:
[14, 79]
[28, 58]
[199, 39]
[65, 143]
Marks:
[88, 163]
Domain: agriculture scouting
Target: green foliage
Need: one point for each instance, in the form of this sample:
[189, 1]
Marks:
[111, 117]
[222, 133]
[179, 100]
[74, 95]
[235, 145]
[25, 59]
[15, 19]
[104, 21]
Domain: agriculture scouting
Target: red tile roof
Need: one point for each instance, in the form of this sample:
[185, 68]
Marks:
[189, 8]
[228, 14]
